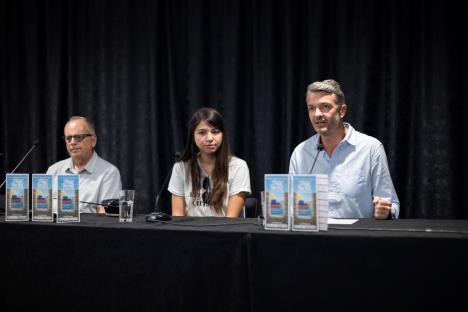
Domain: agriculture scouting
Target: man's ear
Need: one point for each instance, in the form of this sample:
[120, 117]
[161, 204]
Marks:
[343, 110]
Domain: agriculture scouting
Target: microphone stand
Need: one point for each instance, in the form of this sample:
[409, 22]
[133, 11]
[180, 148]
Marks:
[36, 143]
[319, 149]
[159, 214]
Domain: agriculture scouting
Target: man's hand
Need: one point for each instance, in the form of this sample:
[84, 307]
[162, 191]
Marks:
[100, 210]
[382, 208]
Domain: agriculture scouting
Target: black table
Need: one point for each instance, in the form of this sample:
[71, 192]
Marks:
[220, 264]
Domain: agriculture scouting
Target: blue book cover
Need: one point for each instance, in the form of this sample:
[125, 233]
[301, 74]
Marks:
[42, 197]
[68, 198]
[277, 201]
[304, 202]
[17, 197]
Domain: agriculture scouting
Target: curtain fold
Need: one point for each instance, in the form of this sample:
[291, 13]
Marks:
[139, 69]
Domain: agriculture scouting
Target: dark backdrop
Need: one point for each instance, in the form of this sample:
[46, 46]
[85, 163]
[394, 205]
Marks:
[140, 68]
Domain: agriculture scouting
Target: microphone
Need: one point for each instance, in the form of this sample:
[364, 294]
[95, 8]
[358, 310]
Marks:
[320, 147]
[159, 215]
[110, 205]
[36, 143]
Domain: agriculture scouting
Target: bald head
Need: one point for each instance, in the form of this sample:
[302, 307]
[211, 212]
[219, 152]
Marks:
[89, 123]
[80, 139]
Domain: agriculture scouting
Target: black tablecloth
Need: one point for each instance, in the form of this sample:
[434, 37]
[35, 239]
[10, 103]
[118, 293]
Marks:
[220, 264]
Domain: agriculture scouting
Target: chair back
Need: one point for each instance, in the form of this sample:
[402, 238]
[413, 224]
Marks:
[250, 208]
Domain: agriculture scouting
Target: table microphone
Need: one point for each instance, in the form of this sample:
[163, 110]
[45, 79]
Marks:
[36, 143]
[110, 205]
[159, 215]
[319, 148]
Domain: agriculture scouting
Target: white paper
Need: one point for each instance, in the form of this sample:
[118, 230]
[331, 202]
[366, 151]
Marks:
[322, 201]
[341, 221]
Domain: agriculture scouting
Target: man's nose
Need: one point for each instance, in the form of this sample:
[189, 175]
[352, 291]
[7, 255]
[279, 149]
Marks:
[317, 112]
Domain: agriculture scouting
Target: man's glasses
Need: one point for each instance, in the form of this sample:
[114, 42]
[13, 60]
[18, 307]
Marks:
[207, 187]
[78, 137]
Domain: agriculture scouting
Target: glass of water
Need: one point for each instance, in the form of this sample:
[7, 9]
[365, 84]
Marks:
[126, 205]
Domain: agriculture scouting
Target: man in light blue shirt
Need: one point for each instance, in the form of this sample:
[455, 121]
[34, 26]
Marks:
[99, 179]
[360, 185]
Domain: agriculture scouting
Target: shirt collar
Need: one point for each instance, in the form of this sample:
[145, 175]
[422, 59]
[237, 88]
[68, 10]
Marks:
[90, 166]
[349, 137]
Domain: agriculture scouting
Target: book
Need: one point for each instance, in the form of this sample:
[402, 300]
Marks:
[276, 194]
[17, 197]
[68, 207]
[309, 197]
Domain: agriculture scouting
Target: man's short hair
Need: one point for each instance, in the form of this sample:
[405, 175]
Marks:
[330, 86]
[88, 122]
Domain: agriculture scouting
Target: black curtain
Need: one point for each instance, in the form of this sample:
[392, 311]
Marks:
[140, 68]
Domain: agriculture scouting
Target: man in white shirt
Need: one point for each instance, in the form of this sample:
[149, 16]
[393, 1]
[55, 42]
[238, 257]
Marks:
[99, 179]
[360, 185]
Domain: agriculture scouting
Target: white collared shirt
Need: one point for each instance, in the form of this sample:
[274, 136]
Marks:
[99, 180]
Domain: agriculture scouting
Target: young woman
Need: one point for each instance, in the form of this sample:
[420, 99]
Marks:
[207, 180]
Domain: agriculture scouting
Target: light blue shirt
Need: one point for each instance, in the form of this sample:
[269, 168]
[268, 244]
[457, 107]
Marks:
[99, 180]
[357, 171]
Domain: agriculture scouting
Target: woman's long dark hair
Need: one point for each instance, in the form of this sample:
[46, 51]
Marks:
[223, 155]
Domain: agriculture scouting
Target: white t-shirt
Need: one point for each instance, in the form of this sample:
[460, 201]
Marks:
[181, 185]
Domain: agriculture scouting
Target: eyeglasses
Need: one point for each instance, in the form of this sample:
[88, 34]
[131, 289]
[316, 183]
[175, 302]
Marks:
[78, 137]
[207, 187]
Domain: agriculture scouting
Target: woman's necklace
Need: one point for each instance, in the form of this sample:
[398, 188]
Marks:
[205, 168]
